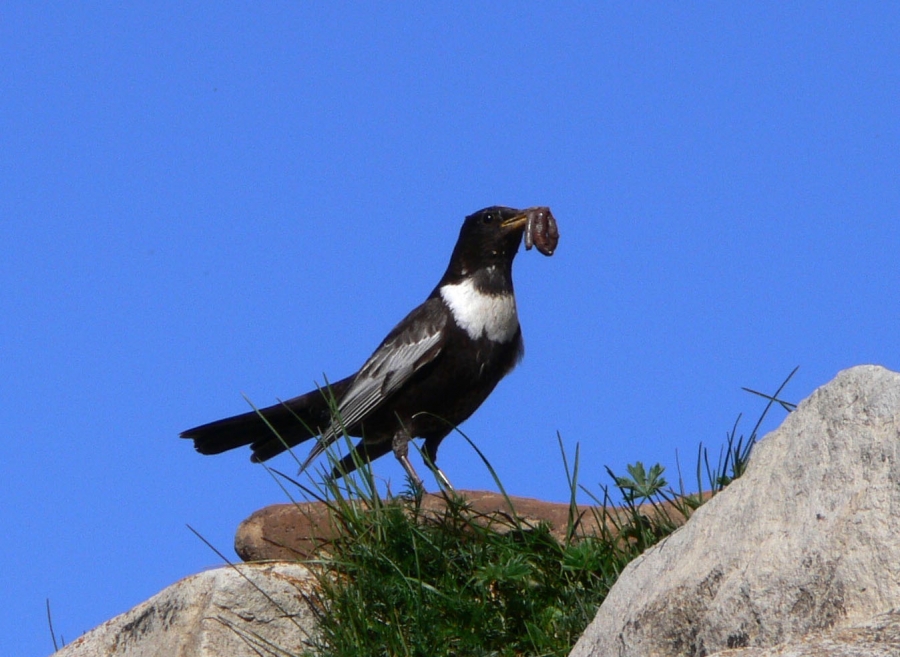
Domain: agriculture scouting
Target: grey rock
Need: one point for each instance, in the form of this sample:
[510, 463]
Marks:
[806, 542]
[879, 637]
[247, 611]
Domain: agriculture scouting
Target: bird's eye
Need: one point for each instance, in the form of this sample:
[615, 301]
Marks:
[488, 218]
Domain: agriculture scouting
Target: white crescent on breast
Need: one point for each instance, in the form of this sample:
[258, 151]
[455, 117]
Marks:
[481, 314]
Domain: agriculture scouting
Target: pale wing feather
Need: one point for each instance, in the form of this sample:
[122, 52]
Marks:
[387, 369]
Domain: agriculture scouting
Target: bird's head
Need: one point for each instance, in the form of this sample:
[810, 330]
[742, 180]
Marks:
[488, 238]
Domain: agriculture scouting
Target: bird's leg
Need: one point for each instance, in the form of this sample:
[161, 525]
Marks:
[445, 483]
[400, 445]
[429, 452]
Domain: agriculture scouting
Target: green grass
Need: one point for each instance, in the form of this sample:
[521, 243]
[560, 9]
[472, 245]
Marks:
[400, 580]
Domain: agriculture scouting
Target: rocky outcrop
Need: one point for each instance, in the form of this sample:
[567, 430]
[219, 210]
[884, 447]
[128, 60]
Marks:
[250, 610]
[803, 550]
[798, 558]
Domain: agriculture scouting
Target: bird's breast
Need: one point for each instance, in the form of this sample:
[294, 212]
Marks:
[481, 314]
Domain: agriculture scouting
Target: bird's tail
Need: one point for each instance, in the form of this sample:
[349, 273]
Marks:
[270, 431]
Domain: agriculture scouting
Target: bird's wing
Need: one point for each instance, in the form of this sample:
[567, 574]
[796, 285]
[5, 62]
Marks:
[414, 342]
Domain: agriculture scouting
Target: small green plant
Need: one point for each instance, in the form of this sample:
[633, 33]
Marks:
[56, 644]
[403, 581]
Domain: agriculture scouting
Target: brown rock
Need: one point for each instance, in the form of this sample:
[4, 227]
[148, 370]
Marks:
[298, 531]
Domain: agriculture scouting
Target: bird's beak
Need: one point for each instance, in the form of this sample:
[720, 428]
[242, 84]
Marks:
[515, 222]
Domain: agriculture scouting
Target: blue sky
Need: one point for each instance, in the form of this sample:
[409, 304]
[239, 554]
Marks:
[201, 203]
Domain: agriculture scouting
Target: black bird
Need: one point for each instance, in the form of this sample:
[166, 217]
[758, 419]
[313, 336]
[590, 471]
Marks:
[431, 372]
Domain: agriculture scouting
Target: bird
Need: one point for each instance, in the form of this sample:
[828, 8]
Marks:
[431, 372]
